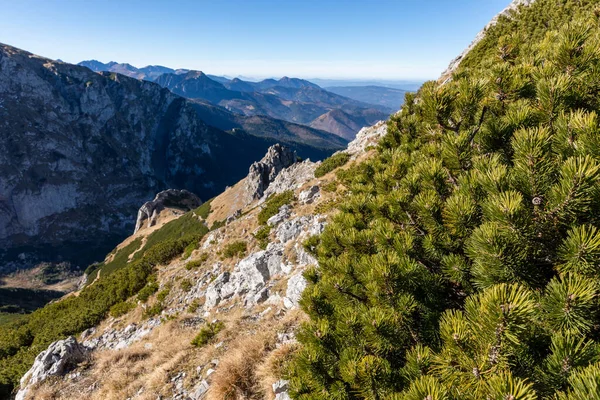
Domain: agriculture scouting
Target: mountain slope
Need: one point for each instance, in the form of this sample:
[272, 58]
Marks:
[343, 124]
[80, 152]
[261, 126]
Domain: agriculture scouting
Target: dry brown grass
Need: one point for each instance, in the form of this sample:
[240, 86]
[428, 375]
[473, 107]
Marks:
[253, 362]
[272, 368]
[227, 203]
[236, 376]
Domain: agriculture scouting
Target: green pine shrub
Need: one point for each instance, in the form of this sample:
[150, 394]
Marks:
[207, 333]
[194, 306]
[235, 249]
[329, 164]
[262, 235]
[185, 285]
[121, 308]
[147, 291]
[197, 263]
[273, 204]
[465, 261]
[204, 210]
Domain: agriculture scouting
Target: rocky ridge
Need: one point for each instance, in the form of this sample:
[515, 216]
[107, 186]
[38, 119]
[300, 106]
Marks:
[512, 7]
[255, 294]
[182, 199]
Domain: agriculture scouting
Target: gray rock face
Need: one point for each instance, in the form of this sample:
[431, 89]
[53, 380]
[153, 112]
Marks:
[296, 285]
[80, 151]
[55, 361]
[282, 215]
[213, 293]
[366, 137]
[263, 172]
[121, 338]
[309, 195]
[292, 177]
[514, 5]
[307, 225]
[280, 389]
[248, 279]
[168, 198]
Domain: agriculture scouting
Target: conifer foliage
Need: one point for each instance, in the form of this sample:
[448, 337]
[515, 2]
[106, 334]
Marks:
[466, 262]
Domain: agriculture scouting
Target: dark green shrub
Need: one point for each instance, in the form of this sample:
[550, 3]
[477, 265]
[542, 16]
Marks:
[194, 305]
[235, 249]
[186, 285]
[464, 262]
[207, 333]
[197, 263]
[331, 163]
[121, 308]
[162, 295]
[262, 235]
[187, 252]
[155, 310]
[204, 210]
[218, 224]
[273, 204]
[147, 291]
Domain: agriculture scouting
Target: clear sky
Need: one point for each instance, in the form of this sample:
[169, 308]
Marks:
[385, 39]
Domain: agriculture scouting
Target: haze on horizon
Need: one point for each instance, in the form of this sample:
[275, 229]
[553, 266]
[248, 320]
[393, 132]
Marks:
[356, 39]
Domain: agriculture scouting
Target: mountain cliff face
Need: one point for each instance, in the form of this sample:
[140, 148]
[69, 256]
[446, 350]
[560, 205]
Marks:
[80, 151]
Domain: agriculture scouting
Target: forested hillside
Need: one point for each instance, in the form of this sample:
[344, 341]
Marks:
[465, 263]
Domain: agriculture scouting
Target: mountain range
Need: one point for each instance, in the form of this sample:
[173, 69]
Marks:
[290, 99]
[80, 151]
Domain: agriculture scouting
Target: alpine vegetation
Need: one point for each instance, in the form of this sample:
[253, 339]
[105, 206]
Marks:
[465, 262]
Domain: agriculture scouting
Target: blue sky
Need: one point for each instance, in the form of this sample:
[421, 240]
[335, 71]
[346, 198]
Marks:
[381, 39]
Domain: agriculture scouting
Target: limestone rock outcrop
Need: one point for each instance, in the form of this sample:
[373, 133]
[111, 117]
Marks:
[55, 361]
[367, 137]
[182, 199]
[263, 172]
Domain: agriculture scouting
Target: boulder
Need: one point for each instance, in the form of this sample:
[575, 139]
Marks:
[60, 356]
[248, 279]
[366, 137]
[213, 293]
[263, 172]
[283, 214]
[309, 195]
[168, 198]
[280, 389]
[307, 225]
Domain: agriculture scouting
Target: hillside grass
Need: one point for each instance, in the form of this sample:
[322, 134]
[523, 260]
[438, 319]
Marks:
[23, 339]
